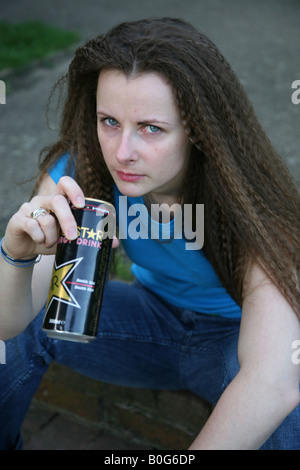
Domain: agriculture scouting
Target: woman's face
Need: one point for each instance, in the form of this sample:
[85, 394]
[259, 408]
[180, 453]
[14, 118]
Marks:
[141, 135]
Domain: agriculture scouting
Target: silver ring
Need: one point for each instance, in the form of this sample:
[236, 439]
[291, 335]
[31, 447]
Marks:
[40, 211]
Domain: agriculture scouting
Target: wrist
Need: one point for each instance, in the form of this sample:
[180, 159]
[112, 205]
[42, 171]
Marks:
[19, 263]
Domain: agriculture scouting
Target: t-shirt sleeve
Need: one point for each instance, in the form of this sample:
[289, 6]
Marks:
[61, 168]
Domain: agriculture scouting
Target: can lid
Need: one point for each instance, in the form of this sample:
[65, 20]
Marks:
[99, 201]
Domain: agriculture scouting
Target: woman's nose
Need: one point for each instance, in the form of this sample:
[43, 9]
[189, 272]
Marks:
[126, 151]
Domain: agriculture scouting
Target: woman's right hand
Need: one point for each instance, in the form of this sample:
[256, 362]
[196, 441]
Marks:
[26, 237]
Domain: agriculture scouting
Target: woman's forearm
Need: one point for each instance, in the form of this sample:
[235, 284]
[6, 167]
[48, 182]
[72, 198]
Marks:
[23, 292]
[16, 299]
[246, 415]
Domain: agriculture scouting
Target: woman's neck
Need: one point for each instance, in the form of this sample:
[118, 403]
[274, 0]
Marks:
[162, 207]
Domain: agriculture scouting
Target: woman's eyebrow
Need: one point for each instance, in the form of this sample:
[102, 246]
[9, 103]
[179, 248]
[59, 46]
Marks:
[153, 121]
[102, 112]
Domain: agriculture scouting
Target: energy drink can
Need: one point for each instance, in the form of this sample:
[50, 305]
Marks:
[79, 274]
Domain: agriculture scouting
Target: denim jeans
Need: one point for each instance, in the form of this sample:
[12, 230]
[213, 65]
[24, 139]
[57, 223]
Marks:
[142, 342]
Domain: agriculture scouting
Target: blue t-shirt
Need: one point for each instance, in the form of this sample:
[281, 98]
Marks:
[184, 278]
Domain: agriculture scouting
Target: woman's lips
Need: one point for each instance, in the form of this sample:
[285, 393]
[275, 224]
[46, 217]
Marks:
[129, 177]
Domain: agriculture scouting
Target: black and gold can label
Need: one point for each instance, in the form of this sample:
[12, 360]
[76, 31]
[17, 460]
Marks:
[79, 274]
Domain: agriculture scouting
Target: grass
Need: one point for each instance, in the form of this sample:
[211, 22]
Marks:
[123, 266]
[22, 43]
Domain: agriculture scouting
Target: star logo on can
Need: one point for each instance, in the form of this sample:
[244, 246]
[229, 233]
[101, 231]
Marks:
[58, 288]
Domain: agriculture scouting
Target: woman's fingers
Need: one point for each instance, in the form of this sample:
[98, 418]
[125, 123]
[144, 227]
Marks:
[66, 190]
[60, 207]
[31, 231]
[25, 236]
[68, 187]
[35, 227]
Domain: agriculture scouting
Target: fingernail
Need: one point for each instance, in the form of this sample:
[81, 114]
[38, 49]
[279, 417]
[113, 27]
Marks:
[72, 234]
[80, 201]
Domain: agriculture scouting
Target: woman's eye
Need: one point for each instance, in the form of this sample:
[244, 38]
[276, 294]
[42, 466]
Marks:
[111, 122]
[152, 129]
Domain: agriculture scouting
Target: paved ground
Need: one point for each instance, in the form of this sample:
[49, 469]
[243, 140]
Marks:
[261, 39]
[48, 429]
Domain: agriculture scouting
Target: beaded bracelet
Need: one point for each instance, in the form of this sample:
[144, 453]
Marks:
[19, 263]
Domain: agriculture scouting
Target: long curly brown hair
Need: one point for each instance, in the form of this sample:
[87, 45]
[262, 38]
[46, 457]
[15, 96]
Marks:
[251, 202]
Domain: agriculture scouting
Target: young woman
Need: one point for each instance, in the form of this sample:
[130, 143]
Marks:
[153, 112]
